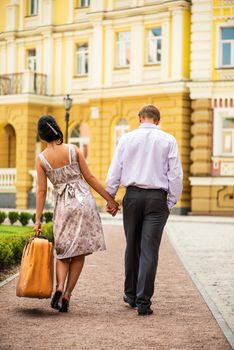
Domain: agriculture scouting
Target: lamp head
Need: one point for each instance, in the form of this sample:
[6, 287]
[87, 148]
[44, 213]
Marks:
[67, 100]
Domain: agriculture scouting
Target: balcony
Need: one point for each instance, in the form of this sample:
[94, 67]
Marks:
[23, 83]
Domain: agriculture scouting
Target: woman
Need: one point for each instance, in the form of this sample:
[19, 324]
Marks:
[77, 226]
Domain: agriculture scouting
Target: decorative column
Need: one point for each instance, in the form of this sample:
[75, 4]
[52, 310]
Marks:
[25, 144]
[97, 5]
[12, 17]
[165, 48]
[108, 59]
[57, 88]
[97, 55]
[46, 12]
[137, 43]
[11, 54]
[68, 63]
[48, 59]
[177, 44]
[201, 143]
[201, 137]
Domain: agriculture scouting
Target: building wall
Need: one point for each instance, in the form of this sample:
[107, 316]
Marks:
[211, 92]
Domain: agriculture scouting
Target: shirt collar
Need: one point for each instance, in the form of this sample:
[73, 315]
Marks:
[149, 126]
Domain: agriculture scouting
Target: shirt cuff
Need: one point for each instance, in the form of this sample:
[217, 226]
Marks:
[170, 204]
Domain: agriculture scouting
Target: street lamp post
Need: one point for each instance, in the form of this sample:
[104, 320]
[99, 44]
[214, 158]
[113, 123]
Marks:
[67, 100]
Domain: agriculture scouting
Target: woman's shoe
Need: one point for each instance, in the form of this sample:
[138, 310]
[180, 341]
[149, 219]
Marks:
[55, 300]
[65, 305]
[65, 302]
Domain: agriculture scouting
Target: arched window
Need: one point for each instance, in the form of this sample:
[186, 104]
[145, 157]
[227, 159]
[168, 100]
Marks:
[121, 128]
[10, 144]
[80, 136]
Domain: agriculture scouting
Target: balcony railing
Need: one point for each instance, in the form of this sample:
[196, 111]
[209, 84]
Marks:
[50, 188]
[7, 179]
[23, 83]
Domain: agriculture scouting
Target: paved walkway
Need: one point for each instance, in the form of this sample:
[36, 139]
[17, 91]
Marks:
[206, 248]
[98, 319]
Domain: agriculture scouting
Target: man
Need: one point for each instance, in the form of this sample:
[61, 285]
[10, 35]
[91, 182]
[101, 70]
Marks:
[147, 163]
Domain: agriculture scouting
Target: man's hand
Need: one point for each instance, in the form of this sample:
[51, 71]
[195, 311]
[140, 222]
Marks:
[112, 207]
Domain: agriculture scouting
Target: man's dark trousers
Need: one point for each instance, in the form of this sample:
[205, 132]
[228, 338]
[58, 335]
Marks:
[145, 213]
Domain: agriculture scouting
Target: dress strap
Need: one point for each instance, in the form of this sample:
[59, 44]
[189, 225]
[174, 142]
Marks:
[45, 162]
[72, 154]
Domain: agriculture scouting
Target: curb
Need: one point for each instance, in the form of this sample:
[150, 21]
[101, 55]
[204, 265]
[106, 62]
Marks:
[9, 279]
[227, 331]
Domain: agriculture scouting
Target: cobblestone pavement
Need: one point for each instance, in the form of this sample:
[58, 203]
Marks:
[98, 318]
[206, 247]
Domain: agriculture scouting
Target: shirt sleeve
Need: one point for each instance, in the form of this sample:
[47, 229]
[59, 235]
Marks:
[113, 178]
[175, 175]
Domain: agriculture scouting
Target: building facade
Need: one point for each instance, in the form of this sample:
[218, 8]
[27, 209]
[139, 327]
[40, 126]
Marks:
[112, 57]
[212, 102]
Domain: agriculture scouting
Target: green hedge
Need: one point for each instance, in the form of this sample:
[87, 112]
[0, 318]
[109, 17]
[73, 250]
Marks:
[13, 240]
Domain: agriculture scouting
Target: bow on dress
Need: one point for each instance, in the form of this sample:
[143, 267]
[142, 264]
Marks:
[70, 191]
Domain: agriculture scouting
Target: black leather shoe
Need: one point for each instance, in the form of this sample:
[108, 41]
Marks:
[145, 312]
[55, 300]
[129, 301]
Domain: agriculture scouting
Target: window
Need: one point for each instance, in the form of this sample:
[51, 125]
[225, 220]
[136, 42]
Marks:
[121, 128]
[82, 59]
[228, 136]
[83, 3]
[227, 47]
[154, 43]
[123, 49]
[224, 132]
[33, 7]
[80, 137]
[32, 60]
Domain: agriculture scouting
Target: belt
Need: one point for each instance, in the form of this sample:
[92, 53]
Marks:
[135, 188]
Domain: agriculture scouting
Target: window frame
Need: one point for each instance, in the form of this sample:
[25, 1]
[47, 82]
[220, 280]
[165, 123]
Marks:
[156, 39]
[83, 6]
[35, 13]
[31, 58]
[123, 43]
[83, 53]
[219, 46]
[124, 128]
[219, 115]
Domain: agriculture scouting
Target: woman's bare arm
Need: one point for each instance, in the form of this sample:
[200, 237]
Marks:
[93, 181]
[41, 193]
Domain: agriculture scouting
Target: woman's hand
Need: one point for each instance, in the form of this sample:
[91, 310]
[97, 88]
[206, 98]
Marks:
[112, 207]
[37, 228]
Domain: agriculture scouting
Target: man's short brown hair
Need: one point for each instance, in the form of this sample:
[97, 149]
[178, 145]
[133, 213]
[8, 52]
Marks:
[150, 111]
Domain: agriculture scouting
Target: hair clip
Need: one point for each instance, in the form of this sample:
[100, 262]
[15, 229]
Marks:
[51, 127]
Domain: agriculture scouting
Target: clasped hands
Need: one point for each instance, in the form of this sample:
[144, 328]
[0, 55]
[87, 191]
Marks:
[112, 207]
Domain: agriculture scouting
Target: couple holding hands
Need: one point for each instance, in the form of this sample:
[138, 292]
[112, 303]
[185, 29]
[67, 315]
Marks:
[146, 162]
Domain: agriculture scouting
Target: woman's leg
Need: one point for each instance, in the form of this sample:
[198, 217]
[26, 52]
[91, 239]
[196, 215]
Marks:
[76, 266]
[62, 269]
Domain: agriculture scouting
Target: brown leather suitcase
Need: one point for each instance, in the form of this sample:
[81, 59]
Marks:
[36, 269]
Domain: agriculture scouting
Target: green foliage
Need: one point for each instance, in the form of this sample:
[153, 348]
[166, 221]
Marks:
[47, 231]
[34, 217]
[2, 216]
[13, 240]
[24, 218]
[48, 216]
[13, 216]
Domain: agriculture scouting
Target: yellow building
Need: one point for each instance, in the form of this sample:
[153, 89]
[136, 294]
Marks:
[112, 57]
[212, 97]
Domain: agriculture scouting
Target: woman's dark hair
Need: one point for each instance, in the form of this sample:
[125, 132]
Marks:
[48, 129]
